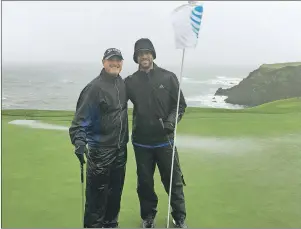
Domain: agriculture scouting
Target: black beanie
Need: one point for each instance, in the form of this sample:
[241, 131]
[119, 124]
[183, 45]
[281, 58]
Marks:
[143, 43]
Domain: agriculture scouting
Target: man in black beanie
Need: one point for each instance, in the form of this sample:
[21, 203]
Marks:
[154, 93]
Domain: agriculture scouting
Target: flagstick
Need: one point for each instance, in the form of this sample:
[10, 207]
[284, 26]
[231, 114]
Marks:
[175, 135]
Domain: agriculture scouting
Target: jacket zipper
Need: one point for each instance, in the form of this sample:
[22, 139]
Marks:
[120, 115]
[150, 85]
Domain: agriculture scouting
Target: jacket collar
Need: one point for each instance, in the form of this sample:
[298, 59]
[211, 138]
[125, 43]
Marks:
[151, 72]
[107, 77]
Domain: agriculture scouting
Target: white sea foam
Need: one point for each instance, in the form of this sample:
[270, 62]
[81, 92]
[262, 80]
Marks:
[211, 100]
[67, 81]
[219, 80]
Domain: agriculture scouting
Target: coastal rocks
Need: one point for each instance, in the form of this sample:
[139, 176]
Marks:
[265, 84]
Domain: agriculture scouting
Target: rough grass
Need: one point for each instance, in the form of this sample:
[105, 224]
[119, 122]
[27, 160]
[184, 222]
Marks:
[254, 188]
[280, 65]
[292, 105]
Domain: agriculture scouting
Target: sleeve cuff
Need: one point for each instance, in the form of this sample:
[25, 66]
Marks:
[79, 143]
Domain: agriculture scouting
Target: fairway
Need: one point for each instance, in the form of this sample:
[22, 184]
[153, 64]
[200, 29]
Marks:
[242, 169]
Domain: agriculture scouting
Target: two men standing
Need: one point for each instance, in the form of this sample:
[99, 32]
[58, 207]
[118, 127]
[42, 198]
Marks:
[101, 121]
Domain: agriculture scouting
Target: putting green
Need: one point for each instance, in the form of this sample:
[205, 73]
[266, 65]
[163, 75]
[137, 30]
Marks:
[251, 185]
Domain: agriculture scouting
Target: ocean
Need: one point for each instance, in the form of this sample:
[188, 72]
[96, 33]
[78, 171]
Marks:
[56, 86]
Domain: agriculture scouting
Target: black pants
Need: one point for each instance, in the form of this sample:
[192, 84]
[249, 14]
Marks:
[105, 179]
[146, 160]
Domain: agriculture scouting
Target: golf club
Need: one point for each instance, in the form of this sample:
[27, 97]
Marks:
[82, 182]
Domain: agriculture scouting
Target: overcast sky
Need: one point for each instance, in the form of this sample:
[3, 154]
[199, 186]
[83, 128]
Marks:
[231, 33]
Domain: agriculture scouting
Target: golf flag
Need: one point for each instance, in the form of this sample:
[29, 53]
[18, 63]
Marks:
[186, 20]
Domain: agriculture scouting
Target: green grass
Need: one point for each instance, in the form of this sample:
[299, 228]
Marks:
[255, 189]
[292, 105]
[280, 65]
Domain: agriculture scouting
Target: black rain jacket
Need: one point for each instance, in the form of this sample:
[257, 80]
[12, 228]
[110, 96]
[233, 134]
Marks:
[154, 96]
[101, 118]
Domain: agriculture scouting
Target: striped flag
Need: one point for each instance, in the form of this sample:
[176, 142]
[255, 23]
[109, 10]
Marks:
[186, 20]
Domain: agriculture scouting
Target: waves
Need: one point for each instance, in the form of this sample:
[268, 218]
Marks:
[219, 80]
[67, 81]
[205, 90]
[211, 100]
[61, 90]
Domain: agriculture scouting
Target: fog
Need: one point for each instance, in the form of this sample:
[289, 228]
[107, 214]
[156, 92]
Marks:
[232, 33]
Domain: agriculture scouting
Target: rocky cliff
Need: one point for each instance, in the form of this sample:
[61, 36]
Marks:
[268, 83]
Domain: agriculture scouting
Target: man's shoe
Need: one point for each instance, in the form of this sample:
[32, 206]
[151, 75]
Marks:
[110, 225]
[148, 223]
[180, 223]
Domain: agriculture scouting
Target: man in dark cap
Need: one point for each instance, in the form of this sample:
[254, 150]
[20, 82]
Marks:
[101, 121]
[154, 93]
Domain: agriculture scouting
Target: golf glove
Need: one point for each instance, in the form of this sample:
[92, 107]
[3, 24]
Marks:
[168, 127]
[79, 152]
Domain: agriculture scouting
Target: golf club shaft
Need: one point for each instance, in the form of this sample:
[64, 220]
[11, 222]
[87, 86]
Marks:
[82, 184]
